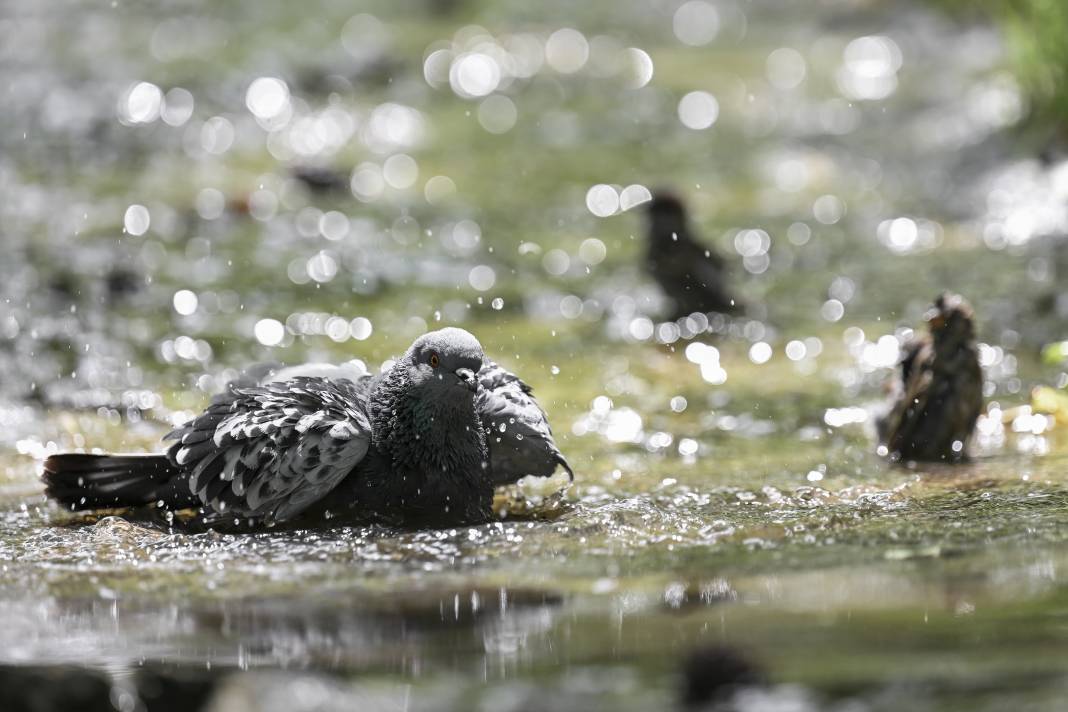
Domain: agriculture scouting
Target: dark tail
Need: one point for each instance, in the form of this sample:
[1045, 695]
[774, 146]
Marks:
[563, 463]
[84, 481]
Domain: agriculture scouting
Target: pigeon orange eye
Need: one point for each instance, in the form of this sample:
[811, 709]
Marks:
[434, 360]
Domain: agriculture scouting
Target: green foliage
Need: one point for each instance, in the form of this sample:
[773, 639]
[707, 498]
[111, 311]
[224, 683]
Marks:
[1035, 31]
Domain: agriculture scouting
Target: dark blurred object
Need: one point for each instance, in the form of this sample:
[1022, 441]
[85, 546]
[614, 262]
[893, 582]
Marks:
[176, 690]
[66, 687]
[321, 180]
[49, 689]
[691, 274]
[100, 276]
[347, 77]
[122, 283]
[936, 403]
[116, 285]
[712, 674]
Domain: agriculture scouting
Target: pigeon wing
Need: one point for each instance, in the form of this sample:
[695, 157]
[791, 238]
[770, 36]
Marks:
[517, 431]
[269, 452]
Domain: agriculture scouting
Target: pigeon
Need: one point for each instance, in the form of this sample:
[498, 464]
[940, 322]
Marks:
[935, 404]
[692, 275]
[422, 444]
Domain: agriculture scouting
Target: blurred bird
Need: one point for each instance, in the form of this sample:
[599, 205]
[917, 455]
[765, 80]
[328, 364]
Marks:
[934, 406]
[422, 444]
[319, 179]
[692, 275]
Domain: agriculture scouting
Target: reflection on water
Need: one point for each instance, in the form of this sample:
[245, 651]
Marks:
[612, 645]
[411, 631]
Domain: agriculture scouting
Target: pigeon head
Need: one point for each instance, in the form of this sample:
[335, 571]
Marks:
[950, 321]
[446, 360]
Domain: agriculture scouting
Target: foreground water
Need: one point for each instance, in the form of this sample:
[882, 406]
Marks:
[861, 157]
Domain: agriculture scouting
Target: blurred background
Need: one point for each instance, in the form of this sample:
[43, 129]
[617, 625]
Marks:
[188, 188]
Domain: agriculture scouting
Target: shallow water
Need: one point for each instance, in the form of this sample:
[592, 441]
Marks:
[719, 498]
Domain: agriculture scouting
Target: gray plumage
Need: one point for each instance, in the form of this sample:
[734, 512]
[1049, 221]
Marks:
[422, 444]
[517, 430]
[272, 451]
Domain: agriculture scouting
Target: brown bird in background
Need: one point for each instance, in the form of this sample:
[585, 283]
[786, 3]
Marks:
[936, 403]
[692, 275]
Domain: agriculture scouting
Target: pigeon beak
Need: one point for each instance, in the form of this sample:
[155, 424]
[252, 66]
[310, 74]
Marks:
[467, 379]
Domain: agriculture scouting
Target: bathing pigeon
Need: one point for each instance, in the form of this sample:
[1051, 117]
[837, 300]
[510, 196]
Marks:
[937, 400]
[692, 275]
[422, 444]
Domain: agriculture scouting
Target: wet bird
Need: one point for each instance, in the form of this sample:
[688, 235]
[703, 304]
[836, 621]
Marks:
[692, 275]
[936, 402]
[422, 444]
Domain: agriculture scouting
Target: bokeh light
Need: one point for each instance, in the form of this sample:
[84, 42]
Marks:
[698, 110]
